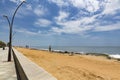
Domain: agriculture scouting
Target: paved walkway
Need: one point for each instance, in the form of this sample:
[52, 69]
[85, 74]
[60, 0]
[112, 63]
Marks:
[7, 69]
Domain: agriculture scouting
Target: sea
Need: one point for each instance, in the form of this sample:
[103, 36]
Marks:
[110, 50]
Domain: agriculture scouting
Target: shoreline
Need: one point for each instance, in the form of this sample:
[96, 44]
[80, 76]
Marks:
[107, 55]
[76, 67]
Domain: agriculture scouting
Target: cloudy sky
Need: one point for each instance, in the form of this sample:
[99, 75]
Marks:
[62, 22]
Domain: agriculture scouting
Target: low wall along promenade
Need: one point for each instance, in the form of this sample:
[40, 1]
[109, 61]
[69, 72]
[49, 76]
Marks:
[27, 70]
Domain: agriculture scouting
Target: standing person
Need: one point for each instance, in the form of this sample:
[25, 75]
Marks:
[27, 46]
[50, 48]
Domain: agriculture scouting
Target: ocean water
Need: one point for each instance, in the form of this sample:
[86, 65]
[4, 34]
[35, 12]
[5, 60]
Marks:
[111, 50]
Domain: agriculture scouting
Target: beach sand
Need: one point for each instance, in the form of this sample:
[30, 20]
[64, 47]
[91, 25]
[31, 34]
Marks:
[77, 67]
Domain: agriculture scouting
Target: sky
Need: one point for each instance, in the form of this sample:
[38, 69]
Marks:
[62, 22]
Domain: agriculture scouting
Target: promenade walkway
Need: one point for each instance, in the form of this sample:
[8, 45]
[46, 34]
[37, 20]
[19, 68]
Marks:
[7, 69]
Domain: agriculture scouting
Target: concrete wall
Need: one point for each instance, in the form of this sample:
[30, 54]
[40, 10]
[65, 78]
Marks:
[27, 70]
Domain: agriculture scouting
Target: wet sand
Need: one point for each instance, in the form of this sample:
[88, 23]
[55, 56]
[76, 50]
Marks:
[77, 67]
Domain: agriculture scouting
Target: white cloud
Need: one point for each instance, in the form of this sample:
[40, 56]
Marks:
[71, 27]
[107, 28]
[77, 3]
[88, 20]
[40, 10]
[81, 25]
[22, 30]
[23, 0]
[111, 6]
[75, 27]
[17, 1]
[62, 16]
[89, 5]
[60, 3]
[92, 5]
[43, 22]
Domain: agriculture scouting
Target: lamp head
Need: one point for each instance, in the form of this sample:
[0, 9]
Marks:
[24, 1]
[4, 16]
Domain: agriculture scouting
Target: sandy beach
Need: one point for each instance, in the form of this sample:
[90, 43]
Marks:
[77, 67]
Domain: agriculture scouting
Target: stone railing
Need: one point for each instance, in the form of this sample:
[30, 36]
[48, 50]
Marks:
[27, 70]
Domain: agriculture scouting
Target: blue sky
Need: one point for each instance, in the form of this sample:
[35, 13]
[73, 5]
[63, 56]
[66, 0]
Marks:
[62, 22]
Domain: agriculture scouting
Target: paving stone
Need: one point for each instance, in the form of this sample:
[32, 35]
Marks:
[7, 69]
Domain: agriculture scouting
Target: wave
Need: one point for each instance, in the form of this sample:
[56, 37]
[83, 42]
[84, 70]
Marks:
[117, 56]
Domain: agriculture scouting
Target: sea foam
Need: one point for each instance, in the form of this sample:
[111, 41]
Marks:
[115, 56]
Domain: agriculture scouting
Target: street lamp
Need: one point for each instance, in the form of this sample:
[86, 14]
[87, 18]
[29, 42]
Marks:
[10, 33]
[7, 19]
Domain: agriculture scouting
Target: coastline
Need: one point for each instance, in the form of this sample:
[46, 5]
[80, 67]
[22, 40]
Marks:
[108, 56]
[84, 49]
[77, 67]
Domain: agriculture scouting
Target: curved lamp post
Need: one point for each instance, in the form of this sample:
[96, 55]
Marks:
[7, 19]
[10, 34]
